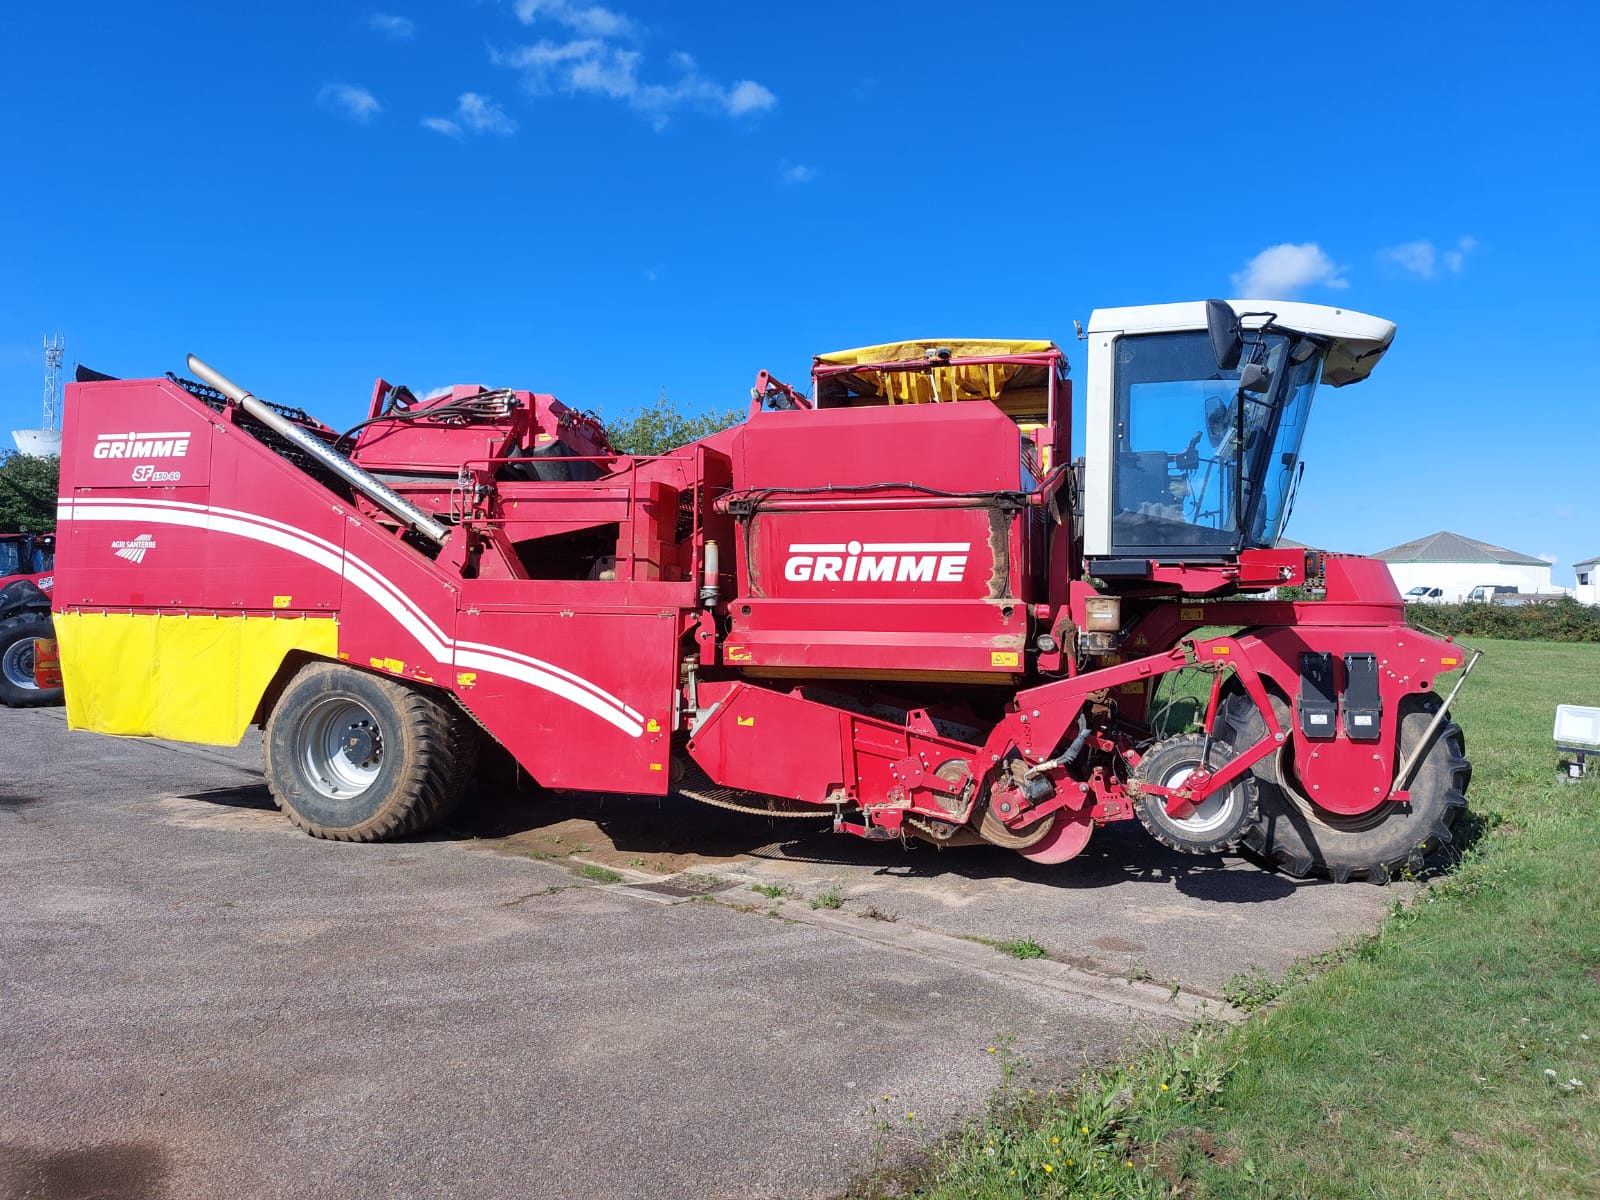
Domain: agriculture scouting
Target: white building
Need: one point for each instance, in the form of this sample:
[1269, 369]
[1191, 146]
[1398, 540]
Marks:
[1588, 589]
[1458, 564]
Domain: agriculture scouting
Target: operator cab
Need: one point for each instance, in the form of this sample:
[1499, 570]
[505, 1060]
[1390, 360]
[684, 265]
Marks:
[1196, 413]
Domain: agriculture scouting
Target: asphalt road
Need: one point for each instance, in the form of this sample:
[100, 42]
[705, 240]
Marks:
[198, 1000]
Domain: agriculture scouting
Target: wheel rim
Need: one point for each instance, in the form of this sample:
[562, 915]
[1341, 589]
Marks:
[17, 664]
[340, 748]
[1215, 812]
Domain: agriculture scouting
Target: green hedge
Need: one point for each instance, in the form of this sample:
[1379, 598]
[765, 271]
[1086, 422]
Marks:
[1563, 620]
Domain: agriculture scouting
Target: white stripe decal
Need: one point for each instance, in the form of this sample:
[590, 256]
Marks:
[915, 547]
[494, 660]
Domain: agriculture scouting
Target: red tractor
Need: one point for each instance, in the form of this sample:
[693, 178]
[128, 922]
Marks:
[26, 578]
[897, 600]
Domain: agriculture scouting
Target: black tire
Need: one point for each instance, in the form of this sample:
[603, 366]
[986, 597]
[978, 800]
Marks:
[1216, 825]
[17, 688]
[363, 758]
[1301, 838]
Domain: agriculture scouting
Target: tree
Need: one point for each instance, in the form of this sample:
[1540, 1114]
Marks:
[660, 427]
[28, 492]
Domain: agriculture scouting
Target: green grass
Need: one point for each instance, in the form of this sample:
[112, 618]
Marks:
[1021, 947]
[773, 891]
[600, 874]
[1433, 1060]
[828, 898]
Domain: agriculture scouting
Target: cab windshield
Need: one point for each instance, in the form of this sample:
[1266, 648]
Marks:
[1199, 464]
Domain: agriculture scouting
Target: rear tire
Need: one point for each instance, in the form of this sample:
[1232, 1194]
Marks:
[362, 758]
[1301, 838]
[17, 686]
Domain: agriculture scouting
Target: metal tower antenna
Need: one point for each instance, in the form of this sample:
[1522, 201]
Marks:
[55, 351]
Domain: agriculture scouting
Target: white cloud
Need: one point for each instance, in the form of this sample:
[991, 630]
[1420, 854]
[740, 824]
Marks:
[396, 29]
[482, 115]
[443, 125]
[1423, 259]
[588, 19]
[602, 62]
[1549, 558]
[1278, 272]
[474, 113]
[798, 173]
[1419, 258]
[1455, 259]
[354, 102]
[749, 96]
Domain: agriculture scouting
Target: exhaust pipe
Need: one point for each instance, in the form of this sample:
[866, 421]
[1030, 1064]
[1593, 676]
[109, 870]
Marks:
[375, 490]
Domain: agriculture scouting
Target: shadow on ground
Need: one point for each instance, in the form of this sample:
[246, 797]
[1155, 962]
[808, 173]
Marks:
[671, 834]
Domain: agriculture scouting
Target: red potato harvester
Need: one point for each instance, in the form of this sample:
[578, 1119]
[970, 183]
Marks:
[897, 601]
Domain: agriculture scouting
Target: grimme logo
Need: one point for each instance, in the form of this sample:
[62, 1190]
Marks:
[882, 562]
[141, 445]
[134, 549]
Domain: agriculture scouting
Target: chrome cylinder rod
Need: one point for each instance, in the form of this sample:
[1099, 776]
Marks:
[375, 490]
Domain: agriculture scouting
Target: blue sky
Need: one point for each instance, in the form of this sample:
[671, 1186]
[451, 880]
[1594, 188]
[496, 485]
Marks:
[605, 201]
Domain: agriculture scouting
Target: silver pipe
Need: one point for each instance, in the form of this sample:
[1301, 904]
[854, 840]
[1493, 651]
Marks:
[1403, 780]
[376, 491]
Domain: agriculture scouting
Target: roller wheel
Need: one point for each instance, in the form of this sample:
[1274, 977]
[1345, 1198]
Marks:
[1298, 836]
[362, 758]
[1218, 822]
[17, 686]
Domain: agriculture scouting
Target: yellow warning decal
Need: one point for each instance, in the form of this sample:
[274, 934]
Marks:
[655, 766]
[1220, 650]
[652, 726]
[749, 721]
[1002, 658]
[1449, 662]
[388, 664]
[1131, 689]
[736, 654]
[281, 601]
[466, 679]
[1191, 614]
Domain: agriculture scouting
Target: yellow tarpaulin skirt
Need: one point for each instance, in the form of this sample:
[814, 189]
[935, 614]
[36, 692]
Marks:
[187, 678]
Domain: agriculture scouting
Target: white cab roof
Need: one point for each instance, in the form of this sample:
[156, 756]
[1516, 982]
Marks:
[1357, 340]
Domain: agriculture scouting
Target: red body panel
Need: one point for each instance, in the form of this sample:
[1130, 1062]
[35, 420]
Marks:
[244, 532]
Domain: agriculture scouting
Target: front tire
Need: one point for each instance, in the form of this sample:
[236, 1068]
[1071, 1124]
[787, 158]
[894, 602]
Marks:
[1301, 838]
[18, 688]
[363, 758]
[1214, 825]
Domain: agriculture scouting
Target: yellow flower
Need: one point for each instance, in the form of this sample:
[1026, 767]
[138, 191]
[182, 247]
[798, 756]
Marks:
[1130, 1162]
[1086, 1129]
[911, 1116]
[1069, 1162]
[1048, 1167]
[1055, 1141]
[991, 1049]
[1164, 1087]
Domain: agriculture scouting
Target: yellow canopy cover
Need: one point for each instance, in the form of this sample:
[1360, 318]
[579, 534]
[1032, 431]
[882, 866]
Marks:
[1023, 384]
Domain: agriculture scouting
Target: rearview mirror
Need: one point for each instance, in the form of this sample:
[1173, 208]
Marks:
[1222, 323]
[1254, 379]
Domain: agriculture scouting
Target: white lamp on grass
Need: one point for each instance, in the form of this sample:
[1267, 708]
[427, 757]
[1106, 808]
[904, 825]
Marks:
[1577, 733]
